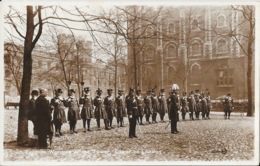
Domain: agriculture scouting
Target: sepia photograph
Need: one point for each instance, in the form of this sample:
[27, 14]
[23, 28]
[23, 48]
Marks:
[127, 83]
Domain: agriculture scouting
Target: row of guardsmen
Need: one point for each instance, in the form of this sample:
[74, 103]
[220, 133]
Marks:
[43, 114]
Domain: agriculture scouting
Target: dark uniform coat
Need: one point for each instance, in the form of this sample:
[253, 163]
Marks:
[59, 110]
[87, 109]
[228, 104]
[192, 103]
[120, 107]
[148, 109]
[163, 107]
[155, 104]
[204, 107]
[43, 115]
[198, 103]
[100, 112]
[32, 115]
[173, 114]
[109, 103]
[140, 105]
[73, 112]
[184, 104]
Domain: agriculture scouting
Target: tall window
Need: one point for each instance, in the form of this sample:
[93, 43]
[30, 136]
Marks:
[171, 51]
[221, 21]
[222, 46]
[195, 25]
[196, 49]
[150, 53]
[195, 74]
[149, 31]
[225, 77]
[171, 29]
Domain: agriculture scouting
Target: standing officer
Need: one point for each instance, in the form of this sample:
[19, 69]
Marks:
[198, 104]
[192, 105]
[109, 103]
[32, 111]
[184, 105]
[43, 116]
[58, 103]
[155, 106]
[174, 109]
[163, 107]
[100, 112]
[148, 110]
[132, 112]
[228, 105]
[87, 109]
[140, 99]
[208, 104]
[169, 103]
[204, 107]
[73, 112]
[120, 109]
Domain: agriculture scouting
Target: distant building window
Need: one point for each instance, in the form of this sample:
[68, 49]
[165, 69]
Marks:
[195, 25]
[225, 77]
[196, 49]
[221, 21]
[171, 51]
[222, 46]
[149, 53]
[195, 74]
[149, 31]
[171, 29]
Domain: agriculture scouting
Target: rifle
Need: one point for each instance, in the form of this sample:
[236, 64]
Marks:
[167, 125]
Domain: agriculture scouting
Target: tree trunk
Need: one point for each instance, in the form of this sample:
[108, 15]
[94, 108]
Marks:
[22, 137]
[249, 81]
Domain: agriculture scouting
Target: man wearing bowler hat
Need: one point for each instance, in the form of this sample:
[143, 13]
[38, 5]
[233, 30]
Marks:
[87, 109]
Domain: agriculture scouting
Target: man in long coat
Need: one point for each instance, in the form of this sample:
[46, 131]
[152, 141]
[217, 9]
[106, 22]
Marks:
[87, 109]
[184, 105]
[155, 105]
[43, 115]
[100, 112]
[109, 103]
[228, 106]
[120, 109]
[192, 105]
[163, 107]
[174, 110]
[58, 103]
[148, 109]
[73, 112]
[140, 101]
[32, 111]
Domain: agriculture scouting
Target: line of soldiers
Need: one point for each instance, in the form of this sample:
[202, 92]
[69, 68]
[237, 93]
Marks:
[134, 106]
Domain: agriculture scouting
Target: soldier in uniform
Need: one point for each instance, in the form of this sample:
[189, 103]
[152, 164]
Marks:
[148, 110]
[184, 105]
[87, 109]
[169, 103]
[163, 107]
[208, 104]
[58, 103]
[174, 109]
[192, 105]
[43, 116]
[140, 106]
[228, 105]
[32, 111]
[100, 112]
[132, 112]
[109, 103]
[155, 106]
[73, 112]
[204, 107]
[198, 104]
[120, 109]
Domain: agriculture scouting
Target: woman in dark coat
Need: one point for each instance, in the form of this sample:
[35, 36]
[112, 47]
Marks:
[120, 109]
[87, 109]
[43, 115]
[73, 112]
[58, 104]
[100, 112]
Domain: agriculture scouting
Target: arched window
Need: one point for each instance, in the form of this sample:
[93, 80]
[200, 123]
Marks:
[195, 74]
[171, 73]
[221, 21]
[196, 49]
[149, 53]
[171, 29]
[171, 51]
[149, 31]
[222, 46]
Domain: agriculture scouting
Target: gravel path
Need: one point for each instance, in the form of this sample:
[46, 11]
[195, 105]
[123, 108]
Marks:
[201, 140]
